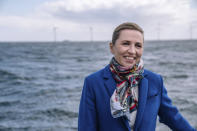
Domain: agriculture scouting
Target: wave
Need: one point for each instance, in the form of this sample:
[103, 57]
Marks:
[36, 128]
[55, 112]
[180, 76]
[9, 103]
[7, 76]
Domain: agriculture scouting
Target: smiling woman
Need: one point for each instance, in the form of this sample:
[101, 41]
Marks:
[128, 50]
[125, 96]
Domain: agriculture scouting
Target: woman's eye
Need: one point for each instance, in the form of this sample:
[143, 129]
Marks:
[138, 45]
[125, 43]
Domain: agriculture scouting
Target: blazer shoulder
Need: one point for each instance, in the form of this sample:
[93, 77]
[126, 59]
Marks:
[152, 75]
[96, 75]
[155, 82]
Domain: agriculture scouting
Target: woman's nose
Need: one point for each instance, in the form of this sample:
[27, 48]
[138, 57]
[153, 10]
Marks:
[131, 49]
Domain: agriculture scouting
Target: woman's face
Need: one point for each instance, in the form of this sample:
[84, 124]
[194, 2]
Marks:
[128, 48]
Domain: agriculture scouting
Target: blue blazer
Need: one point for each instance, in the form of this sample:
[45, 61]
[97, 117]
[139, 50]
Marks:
[95, 113]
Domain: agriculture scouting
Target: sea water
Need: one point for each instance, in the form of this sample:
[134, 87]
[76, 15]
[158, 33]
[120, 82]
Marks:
[41, 82]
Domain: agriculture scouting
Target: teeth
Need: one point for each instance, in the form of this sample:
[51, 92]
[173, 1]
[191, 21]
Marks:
[130, 58]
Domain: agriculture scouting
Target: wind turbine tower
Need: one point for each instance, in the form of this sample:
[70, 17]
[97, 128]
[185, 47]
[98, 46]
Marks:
[55, 33]
[91, 34]
[191, 31]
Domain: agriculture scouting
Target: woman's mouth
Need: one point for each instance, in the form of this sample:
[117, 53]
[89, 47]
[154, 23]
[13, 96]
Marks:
[129, 58]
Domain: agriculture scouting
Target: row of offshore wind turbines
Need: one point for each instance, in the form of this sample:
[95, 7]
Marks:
[191, 32]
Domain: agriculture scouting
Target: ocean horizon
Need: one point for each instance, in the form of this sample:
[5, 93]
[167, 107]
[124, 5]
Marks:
[41, 82]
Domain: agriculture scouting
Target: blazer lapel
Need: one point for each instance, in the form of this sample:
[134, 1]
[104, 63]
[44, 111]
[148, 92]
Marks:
[143, 91]
[109, 82]
[110, 85]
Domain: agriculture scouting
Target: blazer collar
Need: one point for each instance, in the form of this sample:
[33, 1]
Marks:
[110, 84]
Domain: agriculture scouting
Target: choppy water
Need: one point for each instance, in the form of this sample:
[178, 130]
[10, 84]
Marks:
[40, 83]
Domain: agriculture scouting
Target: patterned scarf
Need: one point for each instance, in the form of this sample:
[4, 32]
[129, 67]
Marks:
[124, 99]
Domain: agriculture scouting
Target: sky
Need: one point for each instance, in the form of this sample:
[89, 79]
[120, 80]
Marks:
[84, 20]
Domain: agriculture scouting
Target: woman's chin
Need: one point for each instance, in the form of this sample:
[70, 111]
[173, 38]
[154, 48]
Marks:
[128, 65]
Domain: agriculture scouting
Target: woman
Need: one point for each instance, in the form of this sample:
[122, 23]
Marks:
[125, 96]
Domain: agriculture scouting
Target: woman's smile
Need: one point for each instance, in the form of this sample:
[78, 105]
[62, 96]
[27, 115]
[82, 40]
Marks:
[129, 60]
[128, 48]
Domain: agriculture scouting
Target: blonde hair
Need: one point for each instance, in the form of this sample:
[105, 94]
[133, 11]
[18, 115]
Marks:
[126, 25]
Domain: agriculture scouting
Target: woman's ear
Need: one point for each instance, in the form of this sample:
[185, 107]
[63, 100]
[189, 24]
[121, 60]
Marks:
[111, 47]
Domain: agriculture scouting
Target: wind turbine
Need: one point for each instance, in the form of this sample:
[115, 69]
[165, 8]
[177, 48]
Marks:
[55, 33]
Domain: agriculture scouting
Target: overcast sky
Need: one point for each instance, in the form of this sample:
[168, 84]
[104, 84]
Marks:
[34, 20]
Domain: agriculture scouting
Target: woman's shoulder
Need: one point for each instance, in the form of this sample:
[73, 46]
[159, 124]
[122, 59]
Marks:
[155, 81]
[98, 74]
[152, 75]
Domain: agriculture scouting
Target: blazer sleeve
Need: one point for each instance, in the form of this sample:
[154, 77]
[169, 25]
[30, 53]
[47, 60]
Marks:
[87, 119]
[169, 114]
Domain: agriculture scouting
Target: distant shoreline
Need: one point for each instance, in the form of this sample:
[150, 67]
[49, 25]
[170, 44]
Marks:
[69, 41]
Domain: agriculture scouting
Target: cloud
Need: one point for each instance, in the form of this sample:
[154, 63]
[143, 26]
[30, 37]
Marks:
[105, 12]
[109, 9]
[74, 18]
[113, 12]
